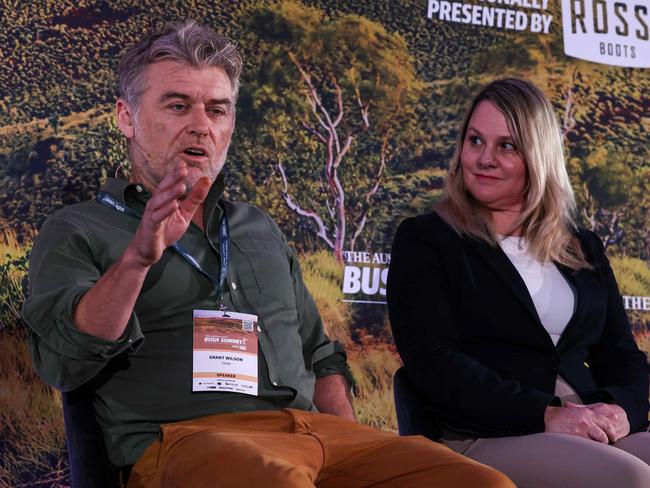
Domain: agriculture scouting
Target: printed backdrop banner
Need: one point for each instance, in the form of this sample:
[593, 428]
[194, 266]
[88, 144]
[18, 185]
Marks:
[607, 32]
[346, 123]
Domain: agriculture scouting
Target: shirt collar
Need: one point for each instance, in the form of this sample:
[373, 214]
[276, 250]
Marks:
[135, 196]
[213, 211]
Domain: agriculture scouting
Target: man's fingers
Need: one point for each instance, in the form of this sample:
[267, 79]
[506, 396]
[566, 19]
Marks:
[171, 187]
[161, 223]
[196, 196]
[178, 174]
[164, 197]
[158, 215]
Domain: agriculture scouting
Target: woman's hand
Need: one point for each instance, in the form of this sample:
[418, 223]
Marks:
[600, 421]
[575, 421]
[617, 417]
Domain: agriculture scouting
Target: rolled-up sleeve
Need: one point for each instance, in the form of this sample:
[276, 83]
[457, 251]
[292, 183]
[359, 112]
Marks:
[62, 269]
[322, 356]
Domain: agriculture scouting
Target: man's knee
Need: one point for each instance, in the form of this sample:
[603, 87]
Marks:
[427, 463]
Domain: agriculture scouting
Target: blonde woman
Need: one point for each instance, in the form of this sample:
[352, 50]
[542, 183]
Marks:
[508, 318]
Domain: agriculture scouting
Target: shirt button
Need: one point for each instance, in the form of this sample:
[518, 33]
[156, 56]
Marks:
[234, 286]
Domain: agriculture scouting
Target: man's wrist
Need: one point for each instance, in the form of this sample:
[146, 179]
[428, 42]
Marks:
[332, 395]
[133, 260]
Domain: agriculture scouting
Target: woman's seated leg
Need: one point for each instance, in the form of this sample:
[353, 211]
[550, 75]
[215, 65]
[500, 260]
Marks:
[636, 444]
[560, 460]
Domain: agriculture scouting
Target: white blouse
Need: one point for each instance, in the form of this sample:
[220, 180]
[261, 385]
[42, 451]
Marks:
[552, 295]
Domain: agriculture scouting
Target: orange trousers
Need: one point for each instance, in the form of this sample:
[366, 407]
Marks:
[296, 449]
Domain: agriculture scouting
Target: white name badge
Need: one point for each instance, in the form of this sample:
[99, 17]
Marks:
[225, 352]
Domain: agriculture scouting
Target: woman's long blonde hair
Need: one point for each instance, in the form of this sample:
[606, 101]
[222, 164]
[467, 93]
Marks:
[549, 204]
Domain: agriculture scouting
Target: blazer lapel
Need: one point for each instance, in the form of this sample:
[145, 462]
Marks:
[507, 273]
[581, 284]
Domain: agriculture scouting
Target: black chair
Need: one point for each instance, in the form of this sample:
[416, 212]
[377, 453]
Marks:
[412, 416]
[89, 464]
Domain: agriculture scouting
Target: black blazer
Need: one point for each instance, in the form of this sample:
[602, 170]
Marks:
[475, 349]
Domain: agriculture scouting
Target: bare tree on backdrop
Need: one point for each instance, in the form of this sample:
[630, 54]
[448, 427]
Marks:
[608, 166]
[334, 100]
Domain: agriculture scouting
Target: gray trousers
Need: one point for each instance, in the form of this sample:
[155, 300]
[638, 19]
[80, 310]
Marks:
[548, 460]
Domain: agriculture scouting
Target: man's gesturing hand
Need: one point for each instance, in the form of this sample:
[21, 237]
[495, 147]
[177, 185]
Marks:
[104, 311]
[167, 215]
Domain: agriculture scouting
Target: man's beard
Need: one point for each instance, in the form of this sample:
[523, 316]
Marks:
[155, 172]
[211, 171]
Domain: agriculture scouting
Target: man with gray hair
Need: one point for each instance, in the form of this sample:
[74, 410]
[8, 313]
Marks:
[186, 315]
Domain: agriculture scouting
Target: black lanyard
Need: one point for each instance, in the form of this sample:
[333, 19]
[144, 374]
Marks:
[224, 244]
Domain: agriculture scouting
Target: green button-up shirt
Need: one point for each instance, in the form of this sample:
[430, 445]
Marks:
[144, 378]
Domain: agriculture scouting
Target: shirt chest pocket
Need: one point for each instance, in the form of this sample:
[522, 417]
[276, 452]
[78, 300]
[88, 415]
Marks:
[262, 266]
